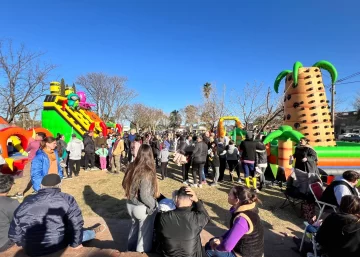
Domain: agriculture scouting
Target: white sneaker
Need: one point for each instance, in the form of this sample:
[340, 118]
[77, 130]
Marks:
[239, 180]
[200, 185]
[256, 190]
[185, 182]
[194, 185]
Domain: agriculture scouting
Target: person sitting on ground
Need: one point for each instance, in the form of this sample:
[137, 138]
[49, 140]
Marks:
[49, 221]
[7, 208]
[246, 234]
[339, 235]
[178, 231]
[345, 185]
[46, 161]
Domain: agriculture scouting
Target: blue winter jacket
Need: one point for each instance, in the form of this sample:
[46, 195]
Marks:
[40, 166]
[47, 222]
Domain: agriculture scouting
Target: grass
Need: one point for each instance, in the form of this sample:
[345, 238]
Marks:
[101, 194]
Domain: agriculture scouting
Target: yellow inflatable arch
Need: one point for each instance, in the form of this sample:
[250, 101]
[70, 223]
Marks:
[221, 128]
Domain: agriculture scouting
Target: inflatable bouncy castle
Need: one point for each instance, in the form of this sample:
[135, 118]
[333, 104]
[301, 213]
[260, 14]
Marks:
[306, 114]
[71, 114]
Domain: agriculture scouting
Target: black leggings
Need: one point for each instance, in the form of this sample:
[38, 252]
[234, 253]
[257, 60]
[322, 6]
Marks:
[164, 169]
[197, 169]
[185, 171]
[234, 164]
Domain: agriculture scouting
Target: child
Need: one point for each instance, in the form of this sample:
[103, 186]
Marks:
[164, 158]
[102, 152]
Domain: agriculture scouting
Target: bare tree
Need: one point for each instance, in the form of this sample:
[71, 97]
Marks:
[108, 93]
[23, 79]
[257, 105]
[357, 105]
[137, 114]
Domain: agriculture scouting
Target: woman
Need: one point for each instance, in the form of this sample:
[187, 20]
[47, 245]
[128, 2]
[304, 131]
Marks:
[246, 234]
[155, 146]
[215, 163]
[339, 235]
[46, 161]
[198, 161]
[306, 157]
[61, 149]
[141, 190]
[232, 157]
[181, 150]
[261, 161]
[135, 146]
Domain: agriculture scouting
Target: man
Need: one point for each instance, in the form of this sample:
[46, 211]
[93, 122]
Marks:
[49, 221]
[131, 140]
[100, 140]
[31, 150]
[89, 148]
[117, 150]
[341, 187]
[7, 208]
[178, 231]
[75, 147]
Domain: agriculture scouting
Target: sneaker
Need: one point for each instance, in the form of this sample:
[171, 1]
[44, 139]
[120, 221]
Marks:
[62, 164]
[104, 169]
[204, 182]
[194, 185]
[94, 168]
[239, 180]
[99, 229]
[69, 177]
[256, 190]
[17, 196]
[186, 183]
[200, 185]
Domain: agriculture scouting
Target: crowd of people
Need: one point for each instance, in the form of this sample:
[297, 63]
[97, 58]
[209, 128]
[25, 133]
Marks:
[49, 220]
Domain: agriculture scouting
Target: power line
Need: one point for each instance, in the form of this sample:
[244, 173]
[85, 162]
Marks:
[351, 82]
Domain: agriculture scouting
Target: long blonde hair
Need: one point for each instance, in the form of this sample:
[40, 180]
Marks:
[143, 167]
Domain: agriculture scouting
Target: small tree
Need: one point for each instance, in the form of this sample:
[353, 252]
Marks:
[174, 119]
[62, 87]
[191, 115]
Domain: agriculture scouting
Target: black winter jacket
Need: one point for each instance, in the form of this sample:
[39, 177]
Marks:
[339, 235]
[89, 144]
[178, 231]
[182, 146]
[200, 152]
[47, 222]
[155, 146]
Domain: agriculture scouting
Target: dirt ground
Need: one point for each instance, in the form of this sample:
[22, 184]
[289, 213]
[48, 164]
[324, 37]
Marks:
[101, 195]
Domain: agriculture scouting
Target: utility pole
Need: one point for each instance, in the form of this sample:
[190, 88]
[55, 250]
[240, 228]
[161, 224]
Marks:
[333, 104]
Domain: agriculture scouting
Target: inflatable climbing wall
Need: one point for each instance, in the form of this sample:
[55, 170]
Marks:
[306, 107]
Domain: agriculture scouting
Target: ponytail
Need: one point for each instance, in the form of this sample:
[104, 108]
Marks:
[245, 195]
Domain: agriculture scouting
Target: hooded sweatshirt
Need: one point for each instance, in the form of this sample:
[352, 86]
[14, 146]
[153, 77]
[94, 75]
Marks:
[232, 153]
[75, 148]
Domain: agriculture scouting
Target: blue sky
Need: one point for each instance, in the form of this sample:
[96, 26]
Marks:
[169, 49]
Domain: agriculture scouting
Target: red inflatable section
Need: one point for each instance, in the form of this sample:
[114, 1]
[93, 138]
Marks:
[119, 128]
[5, 133]
[103, 128]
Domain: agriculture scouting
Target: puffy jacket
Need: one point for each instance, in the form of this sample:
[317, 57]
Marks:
[339, 235]
[75, 148]
[178, 231]
[200, 152]
[261, 155]
[155, 146]
[232, 153]
[89, 144]
[40, 166]
[47, 222]
[248, 148]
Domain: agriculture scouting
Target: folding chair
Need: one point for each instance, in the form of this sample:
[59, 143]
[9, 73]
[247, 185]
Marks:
[293, 199]
[317, 190]
[312, 232]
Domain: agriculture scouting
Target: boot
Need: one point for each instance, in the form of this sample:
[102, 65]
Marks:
[247, 182]
[255, 185]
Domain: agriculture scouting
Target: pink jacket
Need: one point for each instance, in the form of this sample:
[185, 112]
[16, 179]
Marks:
[32, 148]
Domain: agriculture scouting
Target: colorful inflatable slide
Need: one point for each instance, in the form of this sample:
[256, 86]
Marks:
[306, 114]
[70, 113]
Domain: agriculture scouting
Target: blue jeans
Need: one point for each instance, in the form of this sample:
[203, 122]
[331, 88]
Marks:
[214, 253]
[88, 235]
[249, 169]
